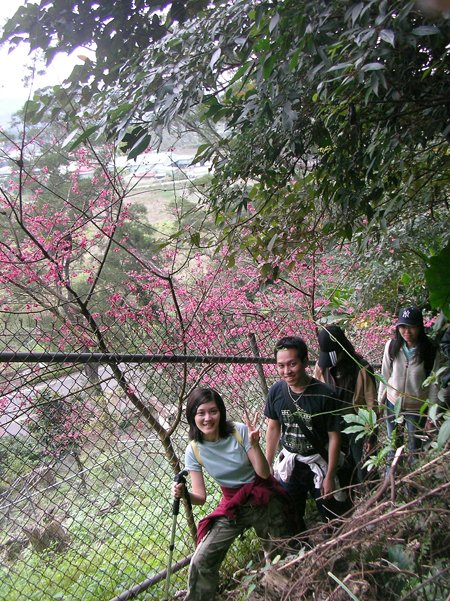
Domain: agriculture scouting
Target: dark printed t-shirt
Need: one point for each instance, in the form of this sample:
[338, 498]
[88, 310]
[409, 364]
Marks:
[318, 407]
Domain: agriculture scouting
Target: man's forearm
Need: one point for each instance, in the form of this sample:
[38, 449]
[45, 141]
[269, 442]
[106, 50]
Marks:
[334, 446]
[272, 439]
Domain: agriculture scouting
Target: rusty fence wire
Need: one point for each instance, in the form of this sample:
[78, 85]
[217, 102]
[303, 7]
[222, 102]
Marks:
[85, 506]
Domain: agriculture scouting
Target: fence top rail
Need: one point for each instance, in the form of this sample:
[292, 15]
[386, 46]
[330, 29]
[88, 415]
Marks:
[29, 357]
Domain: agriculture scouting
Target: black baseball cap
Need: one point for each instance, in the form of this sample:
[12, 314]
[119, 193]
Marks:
[330, 343]
[410, 316]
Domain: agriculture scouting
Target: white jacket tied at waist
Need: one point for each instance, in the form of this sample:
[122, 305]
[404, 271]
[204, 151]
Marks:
[284, 466]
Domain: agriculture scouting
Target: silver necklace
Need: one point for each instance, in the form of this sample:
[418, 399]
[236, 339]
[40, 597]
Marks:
[300, 394]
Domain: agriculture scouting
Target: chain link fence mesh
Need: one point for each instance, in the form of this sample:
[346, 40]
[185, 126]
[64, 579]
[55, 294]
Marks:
[95, 304]
[85, 503]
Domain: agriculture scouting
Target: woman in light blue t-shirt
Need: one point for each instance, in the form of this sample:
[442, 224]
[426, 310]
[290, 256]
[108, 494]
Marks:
[230, 453]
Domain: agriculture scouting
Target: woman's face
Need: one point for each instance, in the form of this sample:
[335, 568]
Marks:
[410, 334]
[207, 420]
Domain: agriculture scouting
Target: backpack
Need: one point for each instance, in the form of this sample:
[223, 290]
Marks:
[427, 363]
[196, 448]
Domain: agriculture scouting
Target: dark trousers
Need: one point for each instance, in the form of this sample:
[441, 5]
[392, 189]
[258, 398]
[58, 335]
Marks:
[300, 484]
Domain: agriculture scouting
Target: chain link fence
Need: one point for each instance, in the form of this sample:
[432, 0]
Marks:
[89, 446]
[103, 336]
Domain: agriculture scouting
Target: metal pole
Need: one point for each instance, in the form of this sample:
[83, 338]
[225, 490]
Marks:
[135, 590]
[179, 478]
[259, 369]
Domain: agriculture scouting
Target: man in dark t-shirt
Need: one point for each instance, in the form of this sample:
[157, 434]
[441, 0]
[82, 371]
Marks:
[296, 398]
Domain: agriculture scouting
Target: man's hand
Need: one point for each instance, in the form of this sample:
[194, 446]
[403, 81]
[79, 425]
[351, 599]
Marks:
[327, 486]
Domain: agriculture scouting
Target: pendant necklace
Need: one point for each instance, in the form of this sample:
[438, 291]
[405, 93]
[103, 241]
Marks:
[300, 394]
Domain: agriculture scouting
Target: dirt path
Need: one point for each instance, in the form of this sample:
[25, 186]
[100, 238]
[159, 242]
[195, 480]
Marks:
[157, 198]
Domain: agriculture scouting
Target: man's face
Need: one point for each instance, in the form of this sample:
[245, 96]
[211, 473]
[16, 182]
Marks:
[290, 368]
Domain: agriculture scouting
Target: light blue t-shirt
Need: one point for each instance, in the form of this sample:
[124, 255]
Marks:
[225, 460]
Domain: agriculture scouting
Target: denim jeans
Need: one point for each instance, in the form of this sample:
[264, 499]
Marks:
[414, 424]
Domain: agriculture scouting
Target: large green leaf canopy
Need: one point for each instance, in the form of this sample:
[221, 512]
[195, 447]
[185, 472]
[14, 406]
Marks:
[332, 116]
[117, 29]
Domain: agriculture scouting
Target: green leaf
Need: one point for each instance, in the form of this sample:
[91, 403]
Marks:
[401, 557]
[387, 35]
[432, 413]
[268, 66]
[215, 57]
[274, 21]
[69, 138]
[120, 110]
[272, 242]
[339, 67]
[231, 260]
[425, 30]
[240, 72]
[266, 270]
[342, 585]
[212, 111]
[139, 146]
[438, 280]
[84, 136]
[294, 60]
[354, 429]
[397, 408]
[372, 67]
[444, 434]
[353, 418]
[195, 239]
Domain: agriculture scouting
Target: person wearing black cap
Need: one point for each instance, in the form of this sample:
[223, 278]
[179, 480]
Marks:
[351, 377]
[408, 360]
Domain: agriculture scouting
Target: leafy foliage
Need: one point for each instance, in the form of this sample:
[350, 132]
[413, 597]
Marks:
[60, 425]
[437, 281]
[331, 118]
[118, 30]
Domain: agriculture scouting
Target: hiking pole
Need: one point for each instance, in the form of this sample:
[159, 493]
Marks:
[179, 479]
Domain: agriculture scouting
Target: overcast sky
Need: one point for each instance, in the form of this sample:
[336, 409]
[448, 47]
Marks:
[13, 92]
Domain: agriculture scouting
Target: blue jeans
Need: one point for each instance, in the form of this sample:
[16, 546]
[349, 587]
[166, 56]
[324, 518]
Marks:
[414, 424]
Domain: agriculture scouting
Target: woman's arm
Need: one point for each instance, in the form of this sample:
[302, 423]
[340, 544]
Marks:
[386, 373]
[318, 373]
[255, 454]
[198, 492]
[259, 462]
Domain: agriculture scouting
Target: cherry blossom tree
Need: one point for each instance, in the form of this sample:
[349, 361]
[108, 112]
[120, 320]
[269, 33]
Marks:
[72, 262]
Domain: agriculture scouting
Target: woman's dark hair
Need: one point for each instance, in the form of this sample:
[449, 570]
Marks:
[350, 356]
[198, 397]
[292, 342]
[347, 369]
[424, 345]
